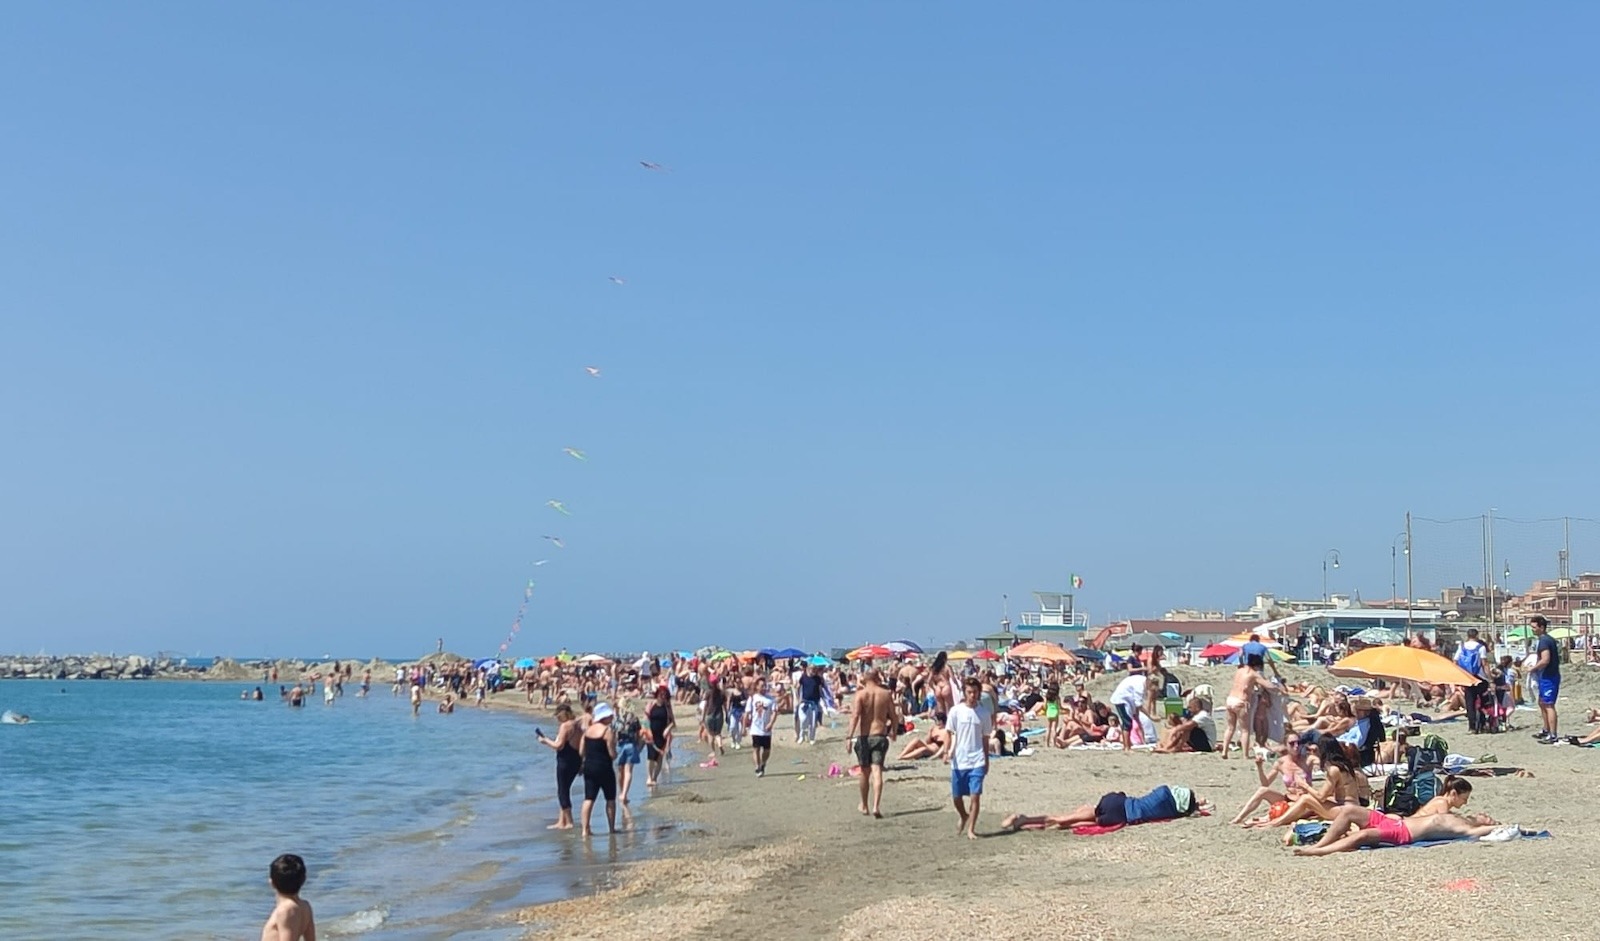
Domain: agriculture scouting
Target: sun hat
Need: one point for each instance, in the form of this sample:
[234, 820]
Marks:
[603, 712]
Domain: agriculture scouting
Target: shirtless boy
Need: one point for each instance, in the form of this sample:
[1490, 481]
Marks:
[291, 917]
[872, 717]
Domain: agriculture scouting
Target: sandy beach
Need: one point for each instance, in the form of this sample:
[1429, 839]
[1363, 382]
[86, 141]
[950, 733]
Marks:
[790, 856]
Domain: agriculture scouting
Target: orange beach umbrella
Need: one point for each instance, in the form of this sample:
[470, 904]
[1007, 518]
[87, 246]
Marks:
[1403, 663]
[1040, 650]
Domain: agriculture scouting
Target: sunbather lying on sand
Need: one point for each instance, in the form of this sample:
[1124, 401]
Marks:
[1117, 808]
[1375, 828]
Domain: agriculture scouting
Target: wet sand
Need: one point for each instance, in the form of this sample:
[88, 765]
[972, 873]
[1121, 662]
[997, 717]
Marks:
[789, 856]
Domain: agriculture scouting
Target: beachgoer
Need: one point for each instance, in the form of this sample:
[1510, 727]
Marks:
[1343, 786]
[1166, 802]
[716, 711]
[810, 706]
[598, 746]
[737, 698]
[1292, 766]
[447, 705]
[297, 696]
[1547, 672]
[629, 745]
[291, 918]
[1052, 713]
[1473, 658]
[763, 713]
[1128, 700]
[416, 699]
[658, 749]
[1375, 828]
[872, 718]
[1247, 682]
[569, 763]
[969, 725]
[936, 745]
[366, 683]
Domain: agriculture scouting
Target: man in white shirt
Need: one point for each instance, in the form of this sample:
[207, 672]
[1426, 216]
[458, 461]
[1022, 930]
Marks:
[1128, 699]
[969, 725]
[761, 710]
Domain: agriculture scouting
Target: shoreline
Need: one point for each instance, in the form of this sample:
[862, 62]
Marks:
[789, 856]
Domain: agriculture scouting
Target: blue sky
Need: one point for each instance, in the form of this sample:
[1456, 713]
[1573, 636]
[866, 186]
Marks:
[936, 304]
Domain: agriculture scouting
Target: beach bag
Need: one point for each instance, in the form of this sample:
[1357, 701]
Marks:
[1428, 754]
[1404, 793]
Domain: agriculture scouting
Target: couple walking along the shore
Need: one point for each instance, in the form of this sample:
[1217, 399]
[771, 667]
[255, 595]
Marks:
[873, 721]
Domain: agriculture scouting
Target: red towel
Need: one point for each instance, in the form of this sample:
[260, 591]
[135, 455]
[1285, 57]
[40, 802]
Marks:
[1095, 829]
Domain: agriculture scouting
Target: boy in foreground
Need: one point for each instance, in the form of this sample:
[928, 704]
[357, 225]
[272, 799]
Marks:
[291, 917]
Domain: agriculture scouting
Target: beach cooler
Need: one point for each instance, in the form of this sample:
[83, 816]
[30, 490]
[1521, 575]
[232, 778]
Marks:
[1171, 706]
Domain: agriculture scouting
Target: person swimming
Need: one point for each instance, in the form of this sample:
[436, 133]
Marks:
[14, 718]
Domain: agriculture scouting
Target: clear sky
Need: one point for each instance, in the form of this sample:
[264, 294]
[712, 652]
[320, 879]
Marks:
[938, 302]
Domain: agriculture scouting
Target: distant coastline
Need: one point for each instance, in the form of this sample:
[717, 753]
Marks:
[167, 667]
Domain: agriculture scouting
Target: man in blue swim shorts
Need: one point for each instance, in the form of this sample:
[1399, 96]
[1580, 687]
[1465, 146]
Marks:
[1547, 673]
[970, 726]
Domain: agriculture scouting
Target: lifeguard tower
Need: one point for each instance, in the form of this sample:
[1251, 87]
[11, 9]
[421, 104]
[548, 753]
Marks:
[1055, 617]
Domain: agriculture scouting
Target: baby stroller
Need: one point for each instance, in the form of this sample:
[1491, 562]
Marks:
[1493, 714]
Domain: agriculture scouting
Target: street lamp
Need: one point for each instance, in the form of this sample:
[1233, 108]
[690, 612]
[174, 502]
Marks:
[1394, 567]
[1330, 555]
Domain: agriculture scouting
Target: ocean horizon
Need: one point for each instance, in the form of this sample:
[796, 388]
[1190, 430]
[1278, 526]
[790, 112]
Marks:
[153, 809]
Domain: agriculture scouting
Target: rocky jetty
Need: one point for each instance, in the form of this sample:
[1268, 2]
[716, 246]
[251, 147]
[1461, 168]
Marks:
[134, 667]
[94, 667]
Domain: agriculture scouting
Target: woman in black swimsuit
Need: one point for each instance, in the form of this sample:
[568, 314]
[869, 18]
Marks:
[599, 747]
[568, 763]
[659, 748]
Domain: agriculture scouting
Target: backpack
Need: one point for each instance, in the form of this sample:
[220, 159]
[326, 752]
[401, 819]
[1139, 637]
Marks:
[1405, 792]
[1471, 659]
[1428, 755]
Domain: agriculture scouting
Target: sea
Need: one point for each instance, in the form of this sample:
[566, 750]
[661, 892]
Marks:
[152, 809]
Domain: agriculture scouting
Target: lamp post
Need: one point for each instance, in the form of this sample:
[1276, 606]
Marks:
[1394, 566]
[1330, 555]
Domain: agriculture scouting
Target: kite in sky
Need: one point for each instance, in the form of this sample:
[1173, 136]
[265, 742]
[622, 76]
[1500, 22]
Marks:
[616, 280]
[541, 561]
[592, 370]
[558, 506]
[575, 453]
[653, 166]
[557, 541]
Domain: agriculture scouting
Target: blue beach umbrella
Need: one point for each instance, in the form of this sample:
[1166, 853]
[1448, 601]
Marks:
[526, 662]
[788, 653]
[819, 661]
[488, 663]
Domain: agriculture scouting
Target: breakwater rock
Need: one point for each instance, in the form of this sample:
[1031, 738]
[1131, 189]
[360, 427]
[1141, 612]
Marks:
[93, 667]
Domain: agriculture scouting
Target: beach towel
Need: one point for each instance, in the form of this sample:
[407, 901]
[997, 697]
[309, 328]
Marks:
[1095, 829]
[1520, 835]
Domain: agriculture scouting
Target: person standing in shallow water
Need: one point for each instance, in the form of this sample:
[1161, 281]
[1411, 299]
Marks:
[568, 762]
[598, 746]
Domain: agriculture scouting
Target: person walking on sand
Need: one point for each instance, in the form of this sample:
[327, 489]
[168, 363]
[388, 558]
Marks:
[970, 726]
[872, 718]
[716, 715]
[763, 712]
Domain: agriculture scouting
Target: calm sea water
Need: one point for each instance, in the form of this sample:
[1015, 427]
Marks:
[151, 810]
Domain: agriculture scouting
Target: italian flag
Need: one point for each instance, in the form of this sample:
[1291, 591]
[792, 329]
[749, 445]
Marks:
[1077, 582]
